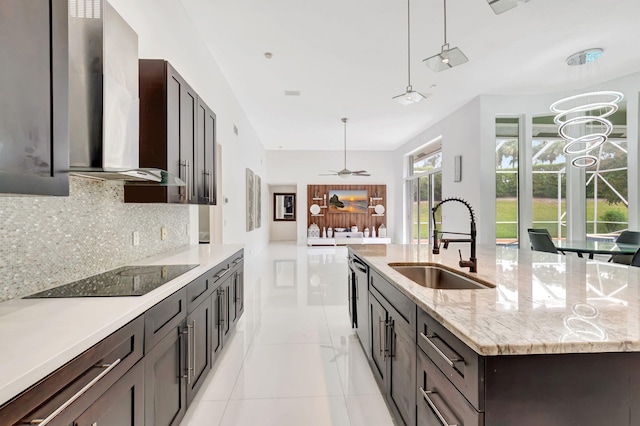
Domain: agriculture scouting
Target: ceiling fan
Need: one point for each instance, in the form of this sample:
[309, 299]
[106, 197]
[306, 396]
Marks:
[344, 173]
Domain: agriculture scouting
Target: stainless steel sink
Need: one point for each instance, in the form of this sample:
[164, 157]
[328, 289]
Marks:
[437, 277]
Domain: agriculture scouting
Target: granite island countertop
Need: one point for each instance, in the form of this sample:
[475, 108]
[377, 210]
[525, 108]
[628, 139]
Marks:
[542, 303]
[40, 335]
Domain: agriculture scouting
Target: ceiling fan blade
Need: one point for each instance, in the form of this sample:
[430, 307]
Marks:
[328, 174]
[361, 174]
[358, 171]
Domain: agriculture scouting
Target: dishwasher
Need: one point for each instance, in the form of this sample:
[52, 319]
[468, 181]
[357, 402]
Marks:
[359, 300]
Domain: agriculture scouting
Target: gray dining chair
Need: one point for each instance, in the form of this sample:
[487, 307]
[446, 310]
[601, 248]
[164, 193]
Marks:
[541, 241]
[628, 237]
[544, 231]
[635, 260]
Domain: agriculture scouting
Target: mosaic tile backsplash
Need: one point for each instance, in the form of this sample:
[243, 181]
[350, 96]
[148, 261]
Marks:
[49, 241]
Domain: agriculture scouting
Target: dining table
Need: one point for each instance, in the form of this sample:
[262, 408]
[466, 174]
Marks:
[596, 247]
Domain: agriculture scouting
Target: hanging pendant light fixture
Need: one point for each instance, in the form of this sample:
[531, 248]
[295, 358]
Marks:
[447, 58]
[583, 118]
[410, 96]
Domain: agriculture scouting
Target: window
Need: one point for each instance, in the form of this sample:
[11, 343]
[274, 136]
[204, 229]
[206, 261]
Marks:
[424, 188]
[507, 154]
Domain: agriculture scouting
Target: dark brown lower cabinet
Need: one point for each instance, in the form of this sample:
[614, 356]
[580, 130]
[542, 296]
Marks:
[165, 396]
[147, 372]
[198, 352]
[438, 401]
[121, 405]
[394, 355]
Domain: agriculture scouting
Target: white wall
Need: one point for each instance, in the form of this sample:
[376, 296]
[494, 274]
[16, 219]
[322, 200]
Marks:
[166, 32]
[305, 167]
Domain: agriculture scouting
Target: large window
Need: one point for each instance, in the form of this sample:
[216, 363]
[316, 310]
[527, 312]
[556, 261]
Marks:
[424, 185]
[507, 153]
[549, 178]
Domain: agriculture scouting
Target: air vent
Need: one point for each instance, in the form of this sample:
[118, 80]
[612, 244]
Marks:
[292, 93]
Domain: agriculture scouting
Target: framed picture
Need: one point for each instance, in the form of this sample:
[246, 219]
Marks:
[250, 200]
[348, 201]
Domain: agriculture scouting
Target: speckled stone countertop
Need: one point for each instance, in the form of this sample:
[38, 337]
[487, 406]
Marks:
[40, 335]
[542, 303]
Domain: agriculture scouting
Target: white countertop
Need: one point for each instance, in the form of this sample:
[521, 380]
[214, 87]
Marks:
[40, 335]
[542, 303]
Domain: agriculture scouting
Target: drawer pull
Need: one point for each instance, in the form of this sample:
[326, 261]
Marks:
[221, 274]
[85, 388]
[437, 412]
[448, 360]
[235, 262]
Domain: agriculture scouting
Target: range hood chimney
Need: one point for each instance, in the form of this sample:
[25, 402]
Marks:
[103, 97]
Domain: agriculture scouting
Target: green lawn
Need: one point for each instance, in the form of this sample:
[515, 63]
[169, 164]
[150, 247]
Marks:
[543, 210]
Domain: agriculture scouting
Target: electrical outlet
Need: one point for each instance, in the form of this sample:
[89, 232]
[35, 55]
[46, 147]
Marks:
[136, 238]
[163, 233]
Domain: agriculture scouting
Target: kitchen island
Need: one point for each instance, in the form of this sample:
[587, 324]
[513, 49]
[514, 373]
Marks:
[554, 339]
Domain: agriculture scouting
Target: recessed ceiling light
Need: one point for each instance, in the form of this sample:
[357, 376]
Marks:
[292, 93]
[584, 57]
[268, 55]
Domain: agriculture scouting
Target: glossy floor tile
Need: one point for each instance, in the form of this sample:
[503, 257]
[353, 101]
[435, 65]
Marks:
[294, 358]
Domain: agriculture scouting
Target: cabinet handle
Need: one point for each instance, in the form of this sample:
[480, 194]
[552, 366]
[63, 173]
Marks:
[383, 341]
[188, 355]
[448, 360]
[437, 412]
[85, 388]
[205, 180]
[389, 332]
[193, 367]
[223, 307]
[211, 185]
[221, 274]
[238, 260]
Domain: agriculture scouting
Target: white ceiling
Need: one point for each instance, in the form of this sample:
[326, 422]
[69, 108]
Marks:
[348, 58]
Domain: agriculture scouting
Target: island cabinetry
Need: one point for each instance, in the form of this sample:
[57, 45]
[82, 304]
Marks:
[393, 348]
[438, 400]
[34, 83]
[457, 361]
[68, 392]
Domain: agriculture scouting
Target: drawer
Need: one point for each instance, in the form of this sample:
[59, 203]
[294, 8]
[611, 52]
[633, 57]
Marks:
[81, 381]
[198, 290]
[401, 303]
[438, 401]
[459, 363]
[164, 317]
[236, 259]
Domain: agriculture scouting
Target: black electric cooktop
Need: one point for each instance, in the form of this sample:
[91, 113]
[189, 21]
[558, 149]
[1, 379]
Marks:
[124, 281]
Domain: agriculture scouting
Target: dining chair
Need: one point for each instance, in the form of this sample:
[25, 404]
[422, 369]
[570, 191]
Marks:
[626, 237]
[541, 241]
[635, 260]
[546, 232]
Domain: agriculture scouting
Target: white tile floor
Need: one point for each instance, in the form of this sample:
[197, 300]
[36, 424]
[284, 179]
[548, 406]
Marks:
[293, 359]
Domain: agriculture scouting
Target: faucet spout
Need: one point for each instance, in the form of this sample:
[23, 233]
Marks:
[472, 263]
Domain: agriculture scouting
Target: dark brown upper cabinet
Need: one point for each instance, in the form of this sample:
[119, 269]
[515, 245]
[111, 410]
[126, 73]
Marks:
[34, 139]
[177, 134]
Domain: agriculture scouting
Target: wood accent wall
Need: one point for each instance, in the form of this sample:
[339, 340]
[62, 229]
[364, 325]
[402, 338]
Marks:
[346, 220]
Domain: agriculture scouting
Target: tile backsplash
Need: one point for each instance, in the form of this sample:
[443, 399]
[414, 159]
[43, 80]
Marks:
[48, 241]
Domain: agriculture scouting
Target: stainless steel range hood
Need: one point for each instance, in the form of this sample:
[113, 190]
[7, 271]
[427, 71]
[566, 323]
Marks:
[103, 97]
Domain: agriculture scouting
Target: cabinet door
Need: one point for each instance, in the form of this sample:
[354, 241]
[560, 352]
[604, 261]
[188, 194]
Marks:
[216, 327]
[122, 404]
[362, 309]
[206, 173]
[378, 315]
[199, 347]
[165, 397]
[233, 308]
[402, 367]
[225, 308]
[34, 147]
[181, 135]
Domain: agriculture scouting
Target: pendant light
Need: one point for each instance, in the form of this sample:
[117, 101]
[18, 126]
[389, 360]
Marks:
[447, 58]
[410, 96]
